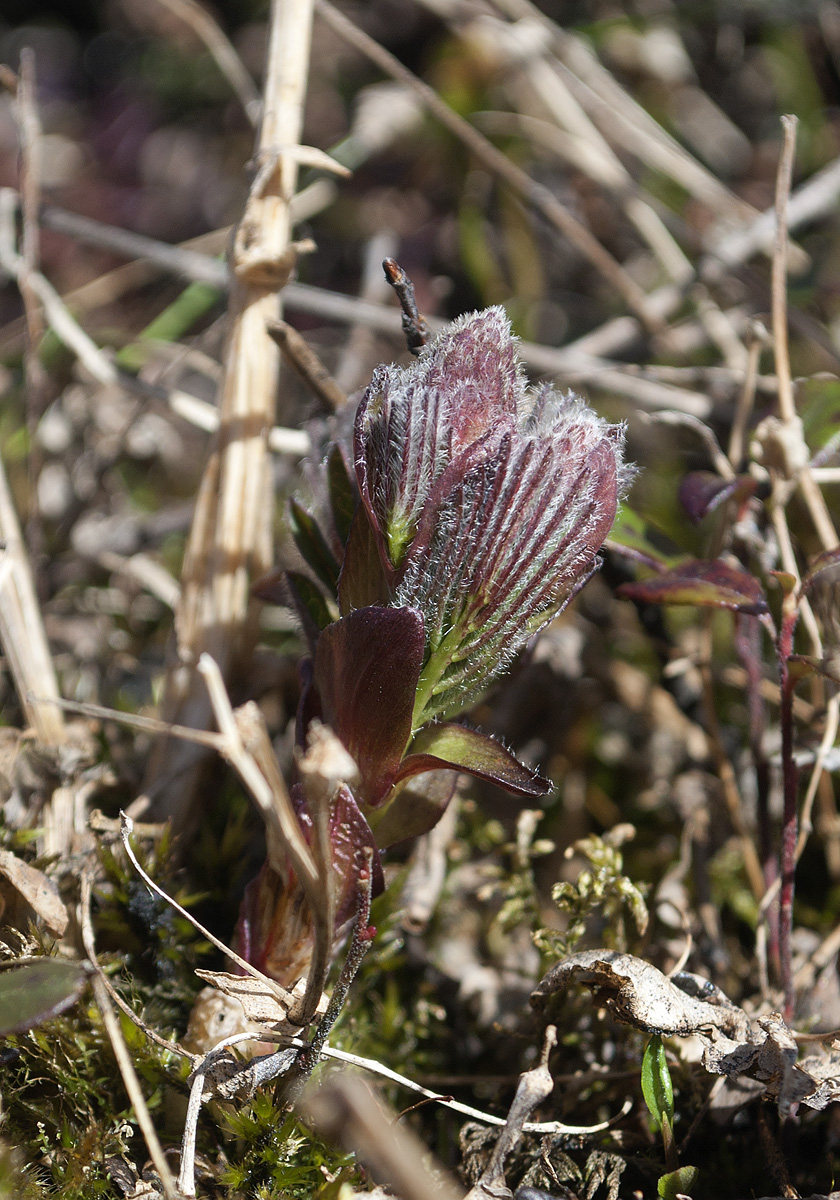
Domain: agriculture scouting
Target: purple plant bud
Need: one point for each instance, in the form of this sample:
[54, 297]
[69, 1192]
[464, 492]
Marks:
[489, 501]
[413, 420]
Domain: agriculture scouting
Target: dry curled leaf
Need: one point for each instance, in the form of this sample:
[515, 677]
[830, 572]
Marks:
[639, 994]
[39, 892]
[763, 1049]
[261, 1007]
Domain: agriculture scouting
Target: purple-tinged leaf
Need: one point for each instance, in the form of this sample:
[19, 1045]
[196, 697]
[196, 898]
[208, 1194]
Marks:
[362, 581]
[701, 492]
[35, 991]
[825, 569]
[366, 670]
[475, 362]
[310, 606]
[462, 749]
[312, 545]
[411, 421]
[350, 837]
[511, 529]
[275, 929]
[706, 584]
[414, 808]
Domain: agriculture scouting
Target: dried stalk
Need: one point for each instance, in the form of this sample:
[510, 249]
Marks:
[230, 541]
[22, 632]
[132, 1086]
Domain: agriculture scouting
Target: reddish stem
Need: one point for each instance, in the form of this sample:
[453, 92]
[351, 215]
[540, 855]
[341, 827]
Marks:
[790, 777]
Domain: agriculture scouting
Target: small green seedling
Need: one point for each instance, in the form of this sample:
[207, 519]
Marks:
[659, 1097]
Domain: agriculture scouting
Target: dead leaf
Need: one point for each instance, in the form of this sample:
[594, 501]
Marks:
[261, 1007]
[762, 1049]
[39, 892]
[639, 994]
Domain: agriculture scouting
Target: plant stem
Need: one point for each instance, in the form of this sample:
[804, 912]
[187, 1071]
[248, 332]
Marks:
[747, 644]
[790, 776]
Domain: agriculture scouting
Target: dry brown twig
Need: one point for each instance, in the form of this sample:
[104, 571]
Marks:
[303, 359]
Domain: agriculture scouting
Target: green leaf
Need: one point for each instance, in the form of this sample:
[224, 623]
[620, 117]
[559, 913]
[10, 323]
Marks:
[462, 749]
[656, 1083]
[677, 1183]
[35, 991]
[170, 325]
[310, 604]
[343, 495]
[362, 581]
[630, 533]
[313, 546]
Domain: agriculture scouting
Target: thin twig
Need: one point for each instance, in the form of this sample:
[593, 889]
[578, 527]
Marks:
[299, 355]
[132, 1086]
[377, 1068]
[415, 326]
[787, 408]
[746, 397]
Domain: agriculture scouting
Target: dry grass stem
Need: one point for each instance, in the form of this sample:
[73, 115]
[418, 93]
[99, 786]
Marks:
[230, 540]
[132, 1086]
[21, 627]
[345, 1110]
[787, 408]
[269, 791]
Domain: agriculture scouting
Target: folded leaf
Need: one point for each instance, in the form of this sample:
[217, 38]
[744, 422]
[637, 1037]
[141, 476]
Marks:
[362, 581]
[463, 749]
[312, 545]
[415, 807]
[342, 491]
[701, 492]
[366, 670]
[412, 420]
[511, 528]
[713, 584]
